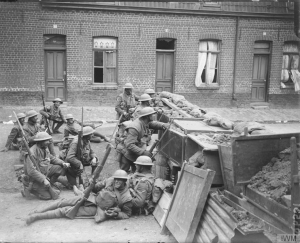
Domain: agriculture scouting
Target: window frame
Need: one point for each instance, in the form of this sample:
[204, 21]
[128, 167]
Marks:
[290, 84]
[215, 85]
[104, 67]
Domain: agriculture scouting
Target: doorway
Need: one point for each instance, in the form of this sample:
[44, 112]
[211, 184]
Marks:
[55, 67]
[260, 73]
[165, 49]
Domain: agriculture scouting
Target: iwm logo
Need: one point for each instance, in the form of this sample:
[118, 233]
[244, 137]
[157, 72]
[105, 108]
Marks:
[287, 238]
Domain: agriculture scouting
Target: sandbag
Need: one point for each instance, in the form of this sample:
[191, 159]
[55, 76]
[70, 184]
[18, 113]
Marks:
[165, 94]
[209, 115]
[252, 126]
[226, 123]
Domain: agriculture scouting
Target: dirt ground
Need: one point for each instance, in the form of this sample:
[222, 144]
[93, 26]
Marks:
[14, 209]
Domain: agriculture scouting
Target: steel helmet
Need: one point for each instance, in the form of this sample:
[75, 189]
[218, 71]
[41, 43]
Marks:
[42, 136]
[69, 116]
[147, 111]
[120, 174]
[143, 160]
[149, 91]
[145, 97]
[87, 131]
[128, 86]
[57, 99]
[31, 113]
[21, 115]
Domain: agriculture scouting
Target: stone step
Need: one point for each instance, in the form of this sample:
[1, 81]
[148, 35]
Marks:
[259, 104]
[260, 107]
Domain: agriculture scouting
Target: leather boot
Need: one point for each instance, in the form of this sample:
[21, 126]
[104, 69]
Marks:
[57, 213]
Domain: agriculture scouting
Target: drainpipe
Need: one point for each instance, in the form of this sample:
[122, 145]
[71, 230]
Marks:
[235, 56]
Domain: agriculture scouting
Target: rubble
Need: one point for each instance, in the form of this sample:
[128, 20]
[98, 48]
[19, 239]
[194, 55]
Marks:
[246, 222]
[274, 180]
[213, 138]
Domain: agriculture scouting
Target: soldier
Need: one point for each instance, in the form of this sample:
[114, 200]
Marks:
[36, 181]
[141, 185]
[88, 156]
[31, 128]
[150, 92]
[144, 100]
[73, 130]
[54, 114]
[15, 137]
[137, 138]
[126, 103]
[111, 201]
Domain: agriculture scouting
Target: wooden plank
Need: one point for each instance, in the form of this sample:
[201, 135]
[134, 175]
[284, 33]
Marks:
[174, 107]
[188, 202]
[161, 209]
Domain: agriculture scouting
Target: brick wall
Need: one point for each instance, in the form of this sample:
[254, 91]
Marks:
[22, 62]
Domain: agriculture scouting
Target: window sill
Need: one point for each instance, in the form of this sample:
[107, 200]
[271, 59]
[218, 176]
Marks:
[104, 86]
[204, 86]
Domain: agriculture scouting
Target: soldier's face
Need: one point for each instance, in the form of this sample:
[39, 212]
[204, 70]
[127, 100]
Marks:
[152, 117]
[33, 119]
[57, 103]
[70, 121]
[138, 168]
[119, 183]
[22, 120]
[44, 144]
[87, 137]
[128, 91]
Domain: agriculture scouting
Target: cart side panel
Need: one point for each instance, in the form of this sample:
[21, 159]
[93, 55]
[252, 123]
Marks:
[251, 153]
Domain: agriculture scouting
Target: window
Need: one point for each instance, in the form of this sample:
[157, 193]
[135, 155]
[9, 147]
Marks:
[105, 60]
[208, 64]
[290, 64]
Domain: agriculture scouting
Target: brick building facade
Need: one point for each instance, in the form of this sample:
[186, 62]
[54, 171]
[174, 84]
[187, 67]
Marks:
[136, 30]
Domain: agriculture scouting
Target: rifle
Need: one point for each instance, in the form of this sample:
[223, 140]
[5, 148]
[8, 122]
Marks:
[79, 148]
[158, 141]
[46, 119]
[53, 194]
[73, 211]
[118, 123]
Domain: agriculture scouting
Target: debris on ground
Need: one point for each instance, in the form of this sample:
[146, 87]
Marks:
[246, 222]
[213, 138]
[274, 180]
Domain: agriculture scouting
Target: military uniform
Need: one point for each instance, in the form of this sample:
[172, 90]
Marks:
[87, 155]
[74, 128]
[142, 184]
[55, 115]
[31, 129]
[106, 197]
[136, 112]
[124, 103]
[14, 138]
[49, 166]
[136, 141]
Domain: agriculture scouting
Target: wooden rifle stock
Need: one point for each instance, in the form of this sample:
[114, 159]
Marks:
[73, 211]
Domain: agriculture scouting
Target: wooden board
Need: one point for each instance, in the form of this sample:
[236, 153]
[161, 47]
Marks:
[174, 107]
[188, 202]
[162, 207]
[251, 153]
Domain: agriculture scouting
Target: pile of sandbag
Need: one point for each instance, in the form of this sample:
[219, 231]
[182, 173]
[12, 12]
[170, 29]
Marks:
[254, 128]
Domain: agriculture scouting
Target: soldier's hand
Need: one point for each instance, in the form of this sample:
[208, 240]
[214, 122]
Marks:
[131, 110]
[94, 161]
[132, 192]
[166, 126]
[147, 153]
[4, 150]
[115, 209]
[110, 213]
[66, 165]
[46, 183]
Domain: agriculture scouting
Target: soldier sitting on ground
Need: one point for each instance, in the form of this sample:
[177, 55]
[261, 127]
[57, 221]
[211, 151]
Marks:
[72, 129]
[15, 137]
[137, 137]
[126, 103]
[31, 128]
[141, 185]
[88, 156]
[36, 180]
[111, 201]
[54, 114]
[144, 100]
